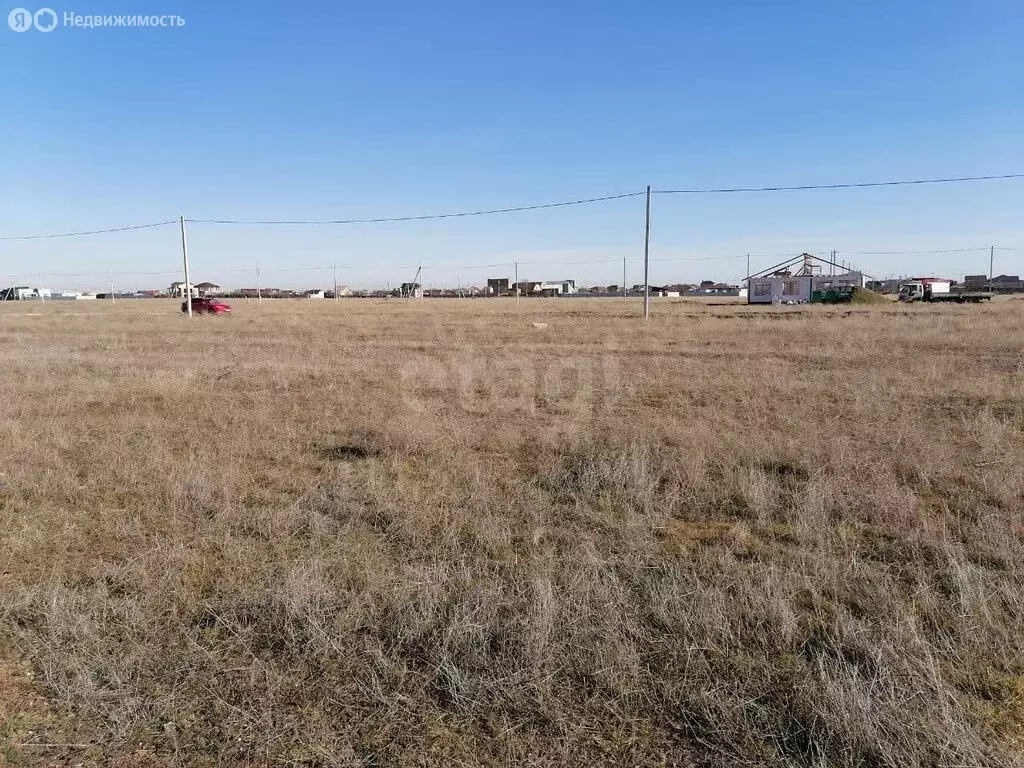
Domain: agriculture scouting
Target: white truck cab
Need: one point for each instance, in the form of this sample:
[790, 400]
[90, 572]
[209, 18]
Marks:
[923, 290]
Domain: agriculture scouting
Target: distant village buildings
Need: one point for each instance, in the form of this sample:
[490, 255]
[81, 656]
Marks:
[503, 286]
[804, 278]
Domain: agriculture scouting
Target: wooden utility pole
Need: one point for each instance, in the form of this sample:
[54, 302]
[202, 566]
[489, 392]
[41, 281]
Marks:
[184, 258]
[416, 282]
[623, 278]
[517, 283]
[991, 262]
[335, 282]
[647, 255]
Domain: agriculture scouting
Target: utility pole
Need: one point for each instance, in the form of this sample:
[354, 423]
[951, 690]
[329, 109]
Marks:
[184, 257]
[42, 297]
[113, 298]
[259, 289]
[991, 262]
[748, 277]
[624, 278]
[335, 282]
[647, 260]
[517, 283]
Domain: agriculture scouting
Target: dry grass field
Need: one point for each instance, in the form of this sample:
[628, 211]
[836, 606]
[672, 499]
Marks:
[369, 533]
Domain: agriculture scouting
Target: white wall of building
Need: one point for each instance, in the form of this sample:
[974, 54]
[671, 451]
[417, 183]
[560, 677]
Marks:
[794, 289]
[780, 290]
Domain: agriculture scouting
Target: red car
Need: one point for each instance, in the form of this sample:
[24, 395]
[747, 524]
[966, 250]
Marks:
[206, 307]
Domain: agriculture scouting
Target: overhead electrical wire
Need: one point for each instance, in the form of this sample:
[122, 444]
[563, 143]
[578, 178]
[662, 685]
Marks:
[426, 217]
[856, 185]
[697, 258]
[910, 253]
[91, 232]
[523, 208]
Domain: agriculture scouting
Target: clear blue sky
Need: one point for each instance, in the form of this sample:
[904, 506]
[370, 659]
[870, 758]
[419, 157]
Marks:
[329, 110]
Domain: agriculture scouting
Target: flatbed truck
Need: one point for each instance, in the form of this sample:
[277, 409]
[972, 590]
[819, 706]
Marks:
[936, 290]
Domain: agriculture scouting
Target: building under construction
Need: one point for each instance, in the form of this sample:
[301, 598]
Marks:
[801, 280]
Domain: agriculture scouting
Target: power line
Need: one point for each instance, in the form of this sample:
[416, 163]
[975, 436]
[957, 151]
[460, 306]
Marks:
[92, 232]
[586, 201]
[698, 258]
[426, 217]
[50, 273]
[517, 209]
[523, 208]
[461, 267]
[568, 263]
[859, 185]
[909, 253]
[254, 268]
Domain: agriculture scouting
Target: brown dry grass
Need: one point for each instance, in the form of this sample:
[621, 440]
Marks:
[427, 533]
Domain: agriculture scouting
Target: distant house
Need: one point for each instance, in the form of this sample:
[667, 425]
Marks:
[24, 293]
[315, 294]
[1007, 284]
[411, 290]
[975, 282]
[527, 287]
[710, 288]
[498, 286]
[207, 289]
[178, 291]
[552, 288]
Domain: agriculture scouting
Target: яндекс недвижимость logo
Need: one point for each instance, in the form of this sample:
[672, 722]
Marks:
[22, 19]
[47, 20]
